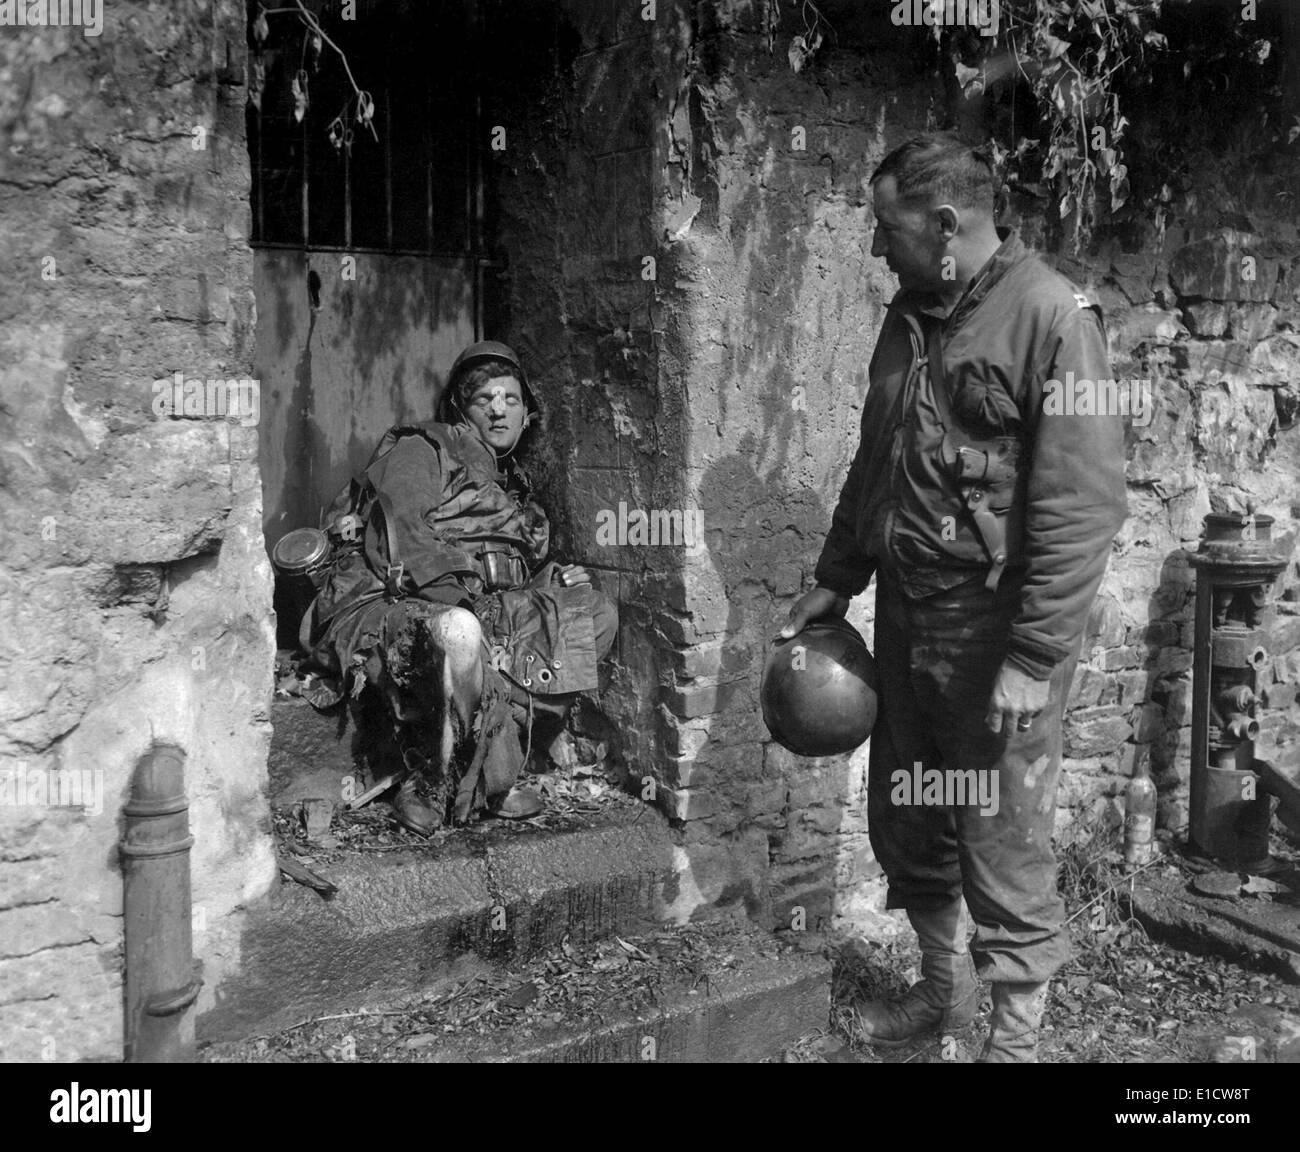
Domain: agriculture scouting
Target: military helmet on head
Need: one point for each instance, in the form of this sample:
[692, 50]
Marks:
[475, 354]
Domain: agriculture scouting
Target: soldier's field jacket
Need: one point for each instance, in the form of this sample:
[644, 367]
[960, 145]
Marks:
[1019, 326]
[449, 506]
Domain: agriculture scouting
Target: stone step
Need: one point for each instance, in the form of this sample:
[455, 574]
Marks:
[311, 753]
[723, 991]
[417, 917]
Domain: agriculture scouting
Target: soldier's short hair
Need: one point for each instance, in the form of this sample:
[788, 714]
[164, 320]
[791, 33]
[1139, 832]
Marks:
[939, 167]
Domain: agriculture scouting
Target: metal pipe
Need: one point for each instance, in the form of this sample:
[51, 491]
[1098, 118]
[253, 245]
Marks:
[1238, 698]
[1235, 564]
[1241, 727]
[160, 981]
[1234, 704]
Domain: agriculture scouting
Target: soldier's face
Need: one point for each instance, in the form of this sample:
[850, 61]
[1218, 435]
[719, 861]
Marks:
[907, 239]
[497, 411]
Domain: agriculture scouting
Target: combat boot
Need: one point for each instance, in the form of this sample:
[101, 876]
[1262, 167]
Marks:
[417, 806]
[1013, 1031]
[944, 999]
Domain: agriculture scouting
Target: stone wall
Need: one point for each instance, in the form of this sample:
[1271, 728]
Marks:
[346, 347]
[721, 383]
[572, 219]
[772, 314]
[775, 304]
[135, 587]
[1208, 314]
[724, 378]
[734, 386]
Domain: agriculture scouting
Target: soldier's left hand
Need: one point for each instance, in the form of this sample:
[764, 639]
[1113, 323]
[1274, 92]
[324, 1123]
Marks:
[572, 574]
[1016, 700]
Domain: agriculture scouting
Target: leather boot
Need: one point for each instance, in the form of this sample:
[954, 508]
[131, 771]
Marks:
[416, 807]
[944, 999]
[1013, 1032]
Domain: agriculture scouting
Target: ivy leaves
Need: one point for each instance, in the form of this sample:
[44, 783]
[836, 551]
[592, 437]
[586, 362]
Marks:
[1071, 53]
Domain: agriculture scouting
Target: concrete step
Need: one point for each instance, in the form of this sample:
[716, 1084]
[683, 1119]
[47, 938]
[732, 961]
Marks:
[415, 918]
[1264, 935]
[717, 992]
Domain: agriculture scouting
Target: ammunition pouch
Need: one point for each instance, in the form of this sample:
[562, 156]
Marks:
[502, 568]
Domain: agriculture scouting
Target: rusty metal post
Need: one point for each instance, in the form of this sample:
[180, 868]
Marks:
[1235, 566]
[155, 847]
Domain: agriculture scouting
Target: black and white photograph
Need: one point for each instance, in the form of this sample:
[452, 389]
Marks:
[649, 532]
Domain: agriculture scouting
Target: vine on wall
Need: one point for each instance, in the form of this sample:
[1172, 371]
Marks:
[360, 106]
[1063, 82]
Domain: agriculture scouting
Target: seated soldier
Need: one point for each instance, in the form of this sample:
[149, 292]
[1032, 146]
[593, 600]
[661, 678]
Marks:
[441, 598]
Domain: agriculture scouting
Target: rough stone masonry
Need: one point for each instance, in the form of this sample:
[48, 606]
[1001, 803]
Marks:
[134, 583]
[724, 377]
[732, 381]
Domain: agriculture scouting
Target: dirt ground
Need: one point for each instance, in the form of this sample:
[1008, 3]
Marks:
[1123, 998]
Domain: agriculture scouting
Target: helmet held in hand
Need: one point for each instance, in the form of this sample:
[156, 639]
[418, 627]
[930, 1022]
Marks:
[819, 690]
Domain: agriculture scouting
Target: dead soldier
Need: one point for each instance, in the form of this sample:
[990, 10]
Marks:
[440, 597]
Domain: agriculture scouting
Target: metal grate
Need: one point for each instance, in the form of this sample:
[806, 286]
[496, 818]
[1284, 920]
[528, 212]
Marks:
[416, 189]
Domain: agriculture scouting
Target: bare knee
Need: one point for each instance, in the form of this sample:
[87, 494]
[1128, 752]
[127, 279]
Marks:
[458, 633]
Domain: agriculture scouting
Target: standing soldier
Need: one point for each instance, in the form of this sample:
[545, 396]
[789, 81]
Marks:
[987, 517]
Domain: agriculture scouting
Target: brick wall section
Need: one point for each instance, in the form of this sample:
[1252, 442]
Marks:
[134, 586]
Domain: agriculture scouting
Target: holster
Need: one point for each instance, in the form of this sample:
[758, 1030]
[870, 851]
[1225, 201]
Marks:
[986, 471]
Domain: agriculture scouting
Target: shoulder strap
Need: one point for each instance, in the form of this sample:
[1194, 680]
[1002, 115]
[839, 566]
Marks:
[928, 350]
[938, 377]
[393, 577]
[992, 528]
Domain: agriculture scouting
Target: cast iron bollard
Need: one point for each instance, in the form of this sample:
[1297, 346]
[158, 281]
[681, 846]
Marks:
[160, 980]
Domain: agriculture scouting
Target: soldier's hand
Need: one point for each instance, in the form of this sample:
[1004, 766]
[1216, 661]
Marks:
[1016, 700]
[813, 606]
[572, 575]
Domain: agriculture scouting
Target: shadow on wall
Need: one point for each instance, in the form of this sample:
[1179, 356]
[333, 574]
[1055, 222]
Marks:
[347, 346]
[786, 816]
[794, 829]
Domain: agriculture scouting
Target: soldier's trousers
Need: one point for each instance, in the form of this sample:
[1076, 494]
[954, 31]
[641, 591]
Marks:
[938, 658]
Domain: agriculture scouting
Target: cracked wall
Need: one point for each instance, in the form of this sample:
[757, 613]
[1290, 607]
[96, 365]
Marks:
[134, 584]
